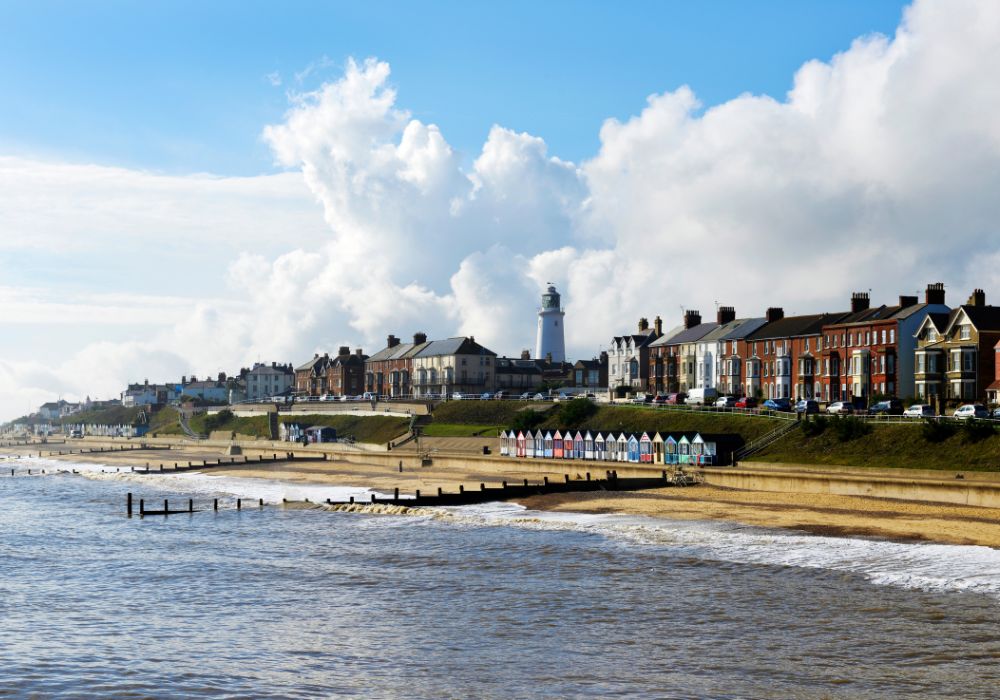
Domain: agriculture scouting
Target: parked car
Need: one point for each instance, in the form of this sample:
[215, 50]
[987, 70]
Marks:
[971, 410]
[725, 402]
[486, 396]
[526, 396]
[806, 406]
[778, 405]
[458, 396]
[919, 410]
[996, 413]
[890, 407]
[324, 397]
[701, 396]
[746, 402]
[76, 434]
[659, 399]
[538, 397]
[840, 408]
[642, 398]
[675, 399]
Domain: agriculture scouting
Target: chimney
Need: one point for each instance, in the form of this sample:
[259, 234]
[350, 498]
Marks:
[548, 358]
[359, 353]
[692, 319]
[977, 298]
[184, 380]
[658, 325]
[905, 301]
[525, 354]
[222, 377]
[344, 350]
[934, 293]
[326, 356]
[392, 341]
[643, 325]
[274, 365]
[859, 302]
[147, 382]
[725, 315]
[316, 356]
[419, 338]
[774, 313]
[603, 357]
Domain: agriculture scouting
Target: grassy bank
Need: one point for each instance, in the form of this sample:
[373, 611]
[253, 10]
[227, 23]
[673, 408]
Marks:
[115, 415]
[972, 448]
[371, 429]
[483, 412]
[459, 430]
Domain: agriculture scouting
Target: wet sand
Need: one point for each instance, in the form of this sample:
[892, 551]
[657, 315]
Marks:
[816, 513]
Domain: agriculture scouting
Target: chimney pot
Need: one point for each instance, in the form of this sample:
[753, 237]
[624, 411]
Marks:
[392, 341]
[726, 315]
[934, 293]
[859, 302]
[905, 300]
[643, 324]
[692, 318]
[977, 298]
[344, 350]
[419, 338]
[774, 313]
[658, 325]
[525, 354]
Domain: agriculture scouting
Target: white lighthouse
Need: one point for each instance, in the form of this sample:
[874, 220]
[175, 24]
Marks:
[550, 339]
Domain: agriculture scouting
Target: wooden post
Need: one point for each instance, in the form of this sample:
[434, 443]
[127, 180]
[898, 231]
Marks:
[664, 474]
[128, 504]
[439, 492]
[588, 476]
[482, 486]
[461, 488]
[418, 494]
[239, 504]
[567, 477]
[142, 508]
[190, 505]
[352, 500]
[261, 502]
[545, 480]
[215, 504]
[395, 494]
[373, 498]
[166, 507]
[526, 483]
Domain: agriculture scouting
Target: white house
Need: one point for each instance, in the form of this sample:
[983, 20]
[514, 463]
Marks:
[266, 380]
[628, 358]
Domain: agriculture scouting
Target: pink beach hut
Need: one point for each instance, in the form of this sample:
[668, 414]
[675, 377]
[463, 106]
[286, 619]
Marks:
[557, 445]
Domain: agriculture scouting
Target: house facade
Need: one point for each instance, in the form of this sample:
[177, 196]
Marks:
[389, 372]
[726, 365]
[954, 358]
[310, 378]
[345, 373]
[592, 374]
[680, 353]
[212, 390]
[443, 367]
[266, 380]
[147, 394]
[517, 375]
[628, 358]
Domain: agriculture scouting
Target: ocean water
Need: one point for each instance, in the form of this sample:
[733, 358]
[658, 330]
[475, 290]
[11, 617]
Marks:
[482, 602]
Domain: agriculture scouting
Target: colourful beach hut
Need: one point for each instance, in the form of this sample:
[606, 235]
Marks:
[578, 445]
[529, 445]
[611, 447]
[703, 451]
[657, 449]
[503, 443]
[569, 451]
[588, 446]
[599, 452]
[520, 444]
[539, 444]
[622, 447]
[684, 450]
[645, 449]
[548, 451]
[670, 450]
[633, 449]
[557, 445]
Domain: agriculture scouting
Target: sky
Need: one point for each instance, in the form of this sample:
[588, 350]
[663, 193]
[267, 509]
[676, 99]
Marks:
[192, 187]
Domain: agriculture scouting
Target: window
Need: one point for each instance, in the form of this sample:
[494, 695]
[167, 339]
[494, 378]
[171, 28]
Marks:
[882, 364]
[766, 347]
[965, 332]
[807, 345]
[883, 336]
[892, 336]
[868, 338]
[968, 361]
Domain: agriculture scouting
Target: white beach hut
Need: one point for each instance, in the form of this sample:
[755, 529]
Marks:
[588, 446]
[622, 448]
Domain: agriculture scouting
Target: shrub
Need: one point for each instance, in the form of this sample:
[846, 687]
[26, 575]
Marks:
[572, 414]
[850, 428]
[216, 421]
[937, 430]
[977, 430]
[526, 420]
[814, 426]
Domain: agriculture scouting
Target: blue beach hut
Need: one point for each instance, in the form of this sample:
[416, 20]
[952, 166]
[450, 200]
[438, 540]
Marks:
[633, 449]
[539, 444]
[548, 445]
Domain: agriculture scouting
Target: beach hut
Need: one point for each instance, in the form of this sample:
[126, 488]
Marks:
[657, 449]
[670, 450]
[633, 449]
[599, 452]
[684, 450]
[645, 449]
[520, 444]
[611, 447]
[503, 443]
[569, 451]
[557, 445]
[622, 448]
[539, 444]
[548, 450]
[321, 433]
[588, 446]
[702, 451]
[529, 444]
[578, 446]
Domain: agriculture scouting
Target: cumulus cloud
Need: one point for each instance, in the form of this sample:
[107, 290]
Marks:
[879, 169]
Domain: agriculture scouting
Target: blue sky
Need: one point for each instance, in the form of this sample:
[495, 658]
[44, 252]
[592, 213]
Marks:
[180, 87]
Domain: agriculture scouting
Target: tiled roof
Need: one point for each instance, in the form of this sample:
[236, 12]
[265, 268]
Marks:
[453, 346]
[695, 333]
[792, 326]
[667, 337]
[738, 328]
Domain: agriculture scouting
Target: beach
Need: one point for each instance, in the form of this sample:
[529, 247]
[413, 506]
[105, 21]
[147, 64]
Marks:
[822, 514]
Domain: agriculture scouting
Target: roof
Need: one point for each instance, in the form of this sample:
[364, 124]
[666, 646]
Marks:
[695, 333]
[205, 384]
[735, 329]
[453, 346]
[312, 363]
[516, 365]
[984, 318]
[588, 364]
[668, 336]
[791, 326]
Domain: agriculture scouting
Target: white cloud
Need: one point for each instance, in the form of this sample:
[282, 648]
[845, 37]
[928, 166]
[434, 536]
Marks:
[878, 170]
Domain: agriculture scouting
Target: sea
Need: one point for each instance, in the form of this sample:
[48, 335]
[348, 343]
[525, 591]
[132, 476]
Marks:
[490, 601]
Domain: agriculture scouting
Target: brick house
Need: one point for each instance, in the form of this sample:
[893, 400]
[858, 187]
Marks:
[679, 353]
[592, 374]
[310, 378]
[443, 367]
[954, 359]
[628, 358]
[728, 364]
[345, 373]
[389, 372]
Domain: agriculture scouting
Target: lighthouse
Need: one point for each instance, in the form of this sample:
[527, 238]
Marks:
[550, 340]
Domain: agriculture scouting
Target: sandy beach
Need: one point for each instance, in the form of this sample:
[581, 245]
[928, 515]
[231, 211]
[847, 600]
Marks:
[815, 513]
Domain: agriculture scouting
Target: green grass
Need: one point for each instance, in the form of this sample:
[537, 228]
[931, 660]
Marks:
[887, 446]
[371, 429]
[164, 422]
[459, 430]
[634, 419]
[115, 415]
[482, 412]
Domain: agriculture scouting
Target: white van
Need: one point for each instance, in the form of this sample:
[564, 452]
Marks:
[701, 397]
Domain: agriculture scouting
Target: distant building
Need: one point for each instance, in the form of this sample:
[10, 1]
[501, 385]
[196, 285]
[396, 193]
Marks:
[389, 372]
[550, 342]
[592, 374]
[443, 367]
[628, 358]
[345, 373]
[212, 390]
[147, 394]
[266, 380]
[310, 378]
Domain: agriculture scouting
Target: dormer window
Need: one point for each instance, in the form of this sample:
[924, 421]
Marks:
[965, 332]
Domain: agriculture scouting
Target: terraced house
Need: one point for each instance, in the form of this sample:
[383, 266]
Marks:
[954, 358]
[389, 372]
[679, 354]
[444, 367]
[628, 358]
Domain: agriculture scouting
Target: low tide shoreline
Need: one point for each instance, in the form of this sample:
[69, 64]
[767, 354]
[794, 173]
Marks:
[821, 514]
